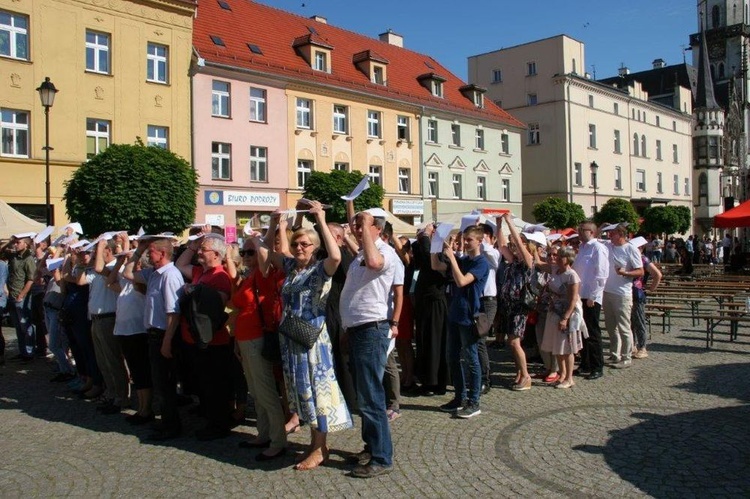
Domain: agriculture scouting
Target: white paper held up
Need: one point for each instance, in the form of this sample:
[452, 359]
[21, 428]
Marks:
[363, 185]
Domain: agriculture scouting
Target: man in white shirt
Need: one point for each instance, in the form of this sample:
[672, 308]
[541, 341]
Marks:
[364, 316]
[625, 264]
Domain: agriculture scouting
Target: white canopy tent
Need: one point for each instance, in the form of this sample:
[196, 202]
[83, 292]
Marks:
[14, 222]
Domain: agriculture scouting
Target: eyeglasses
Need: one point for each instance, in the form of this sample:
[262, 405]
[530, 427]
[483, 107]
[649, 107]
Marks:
[304, 245]
[247, 252]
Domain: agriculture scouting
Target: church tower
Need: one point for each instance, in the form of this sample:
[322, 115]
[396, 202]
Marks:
[708, 140]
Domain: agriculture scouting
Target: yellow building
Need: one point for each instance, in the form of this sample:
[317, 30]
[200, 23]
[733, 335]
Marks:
[121, 69]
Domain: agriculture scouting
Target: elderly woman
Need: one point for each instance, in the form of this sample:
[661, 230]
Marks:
[518, 272]
[309, 375]
[563, 335]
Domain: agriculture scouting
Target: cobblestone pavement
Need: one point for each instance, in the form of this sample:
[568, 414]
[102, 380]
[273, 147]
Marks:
[674, 425]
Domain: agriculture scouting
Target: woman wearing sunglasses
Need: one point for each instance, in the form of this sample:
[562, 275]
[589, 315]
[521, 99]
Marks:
[309, 375]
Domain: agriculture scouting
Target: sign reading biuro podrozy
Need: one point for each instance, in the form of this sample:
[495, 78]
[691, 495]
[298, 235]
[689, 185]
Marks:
[242, 198]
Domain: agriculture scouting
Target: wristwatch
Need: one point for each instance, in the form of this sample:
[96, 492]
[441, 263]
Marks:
[393, 323]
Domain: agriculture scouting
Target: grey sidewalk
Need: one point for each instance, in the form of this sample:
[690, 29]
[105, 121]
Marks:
[674, 425]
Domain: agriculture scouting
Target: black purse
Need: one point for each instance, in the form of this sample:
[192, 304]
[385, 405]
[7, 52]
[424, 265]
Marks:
[299, 330]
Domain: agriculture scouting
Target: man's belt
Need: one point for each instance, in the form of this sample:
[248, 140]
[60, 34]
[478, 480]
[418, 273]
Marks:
[155, 330]
[488, 298]
[366, 325]
[103, 316]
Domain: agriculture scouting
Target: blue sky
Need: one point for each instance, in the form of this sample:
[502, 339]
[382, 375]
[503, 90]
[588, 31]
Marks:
[633, 33]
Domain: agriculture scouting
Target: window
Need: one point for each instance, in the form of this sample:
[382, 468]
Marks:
[481, 188]
[635, 144]
[304, 169]
[618, 147]
[534, 133]
[530, 68]
[504, 143]
[15, 133]
[432, 184]
[257, 104]
[591, 101]
[342, 167]
[687, 186]
[577, 174]
[479, 139]
[644, 116]
[14, 35]
[220, 101]
[640, 180]
[497, 76]
[321, 61]
[457, 190]
[97, 52]
[258, 164]
[373, 124]
[340, 124]
[505, 189]
[592, 136]
[221, 161]
[676, 186]
[675, 159]
[377, 75]
[713, 147]
[432, 131]
[659, 186]
[616, 108]
[531, 100]
[643, 146]
[674, 126]
[404, 181]
[403, 128]
[618, 178]
[97, 136]
[375, 175]
[437, 88]
[158, 136]
[456, 135]
[658, 121]
[658, 150]
[478, 99]
[304, 113]
[156, 63]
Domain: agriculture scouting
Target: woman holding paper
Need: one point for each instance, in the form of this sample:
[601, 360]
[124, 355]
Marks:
[309, 375]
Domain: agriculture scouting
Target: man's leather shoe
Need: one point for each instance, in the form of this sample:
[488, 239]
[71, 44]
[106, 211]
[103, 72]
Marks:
[370, 470]
[265, 457]
[486, 388]
[361, 458]
[580, 372]
[160, 436]
[109, 409]
[595, 375]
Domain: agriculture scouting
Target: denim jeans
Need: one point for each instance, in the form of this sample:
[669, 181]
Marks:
[25, 331]
[463, 362]
[368, 349]
[58, 341]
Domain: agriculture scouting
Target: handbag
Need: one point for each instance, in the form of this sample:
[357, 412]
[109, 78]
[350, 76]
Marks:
[271, 349]
[481, 325]
[299, 330]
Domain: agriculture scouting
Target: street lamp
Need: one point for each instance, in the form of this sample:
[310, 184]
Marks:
[594, 168]
[47, 93]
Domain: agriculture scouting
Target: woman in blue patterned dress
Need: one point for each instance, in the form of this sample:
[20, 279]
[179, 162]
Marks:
[309, 376]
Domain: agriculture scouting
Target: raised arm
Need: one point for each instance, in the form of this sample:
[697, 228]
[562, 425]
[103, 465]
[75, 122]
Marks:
[332, 261]
[184, 262]
[516, 238]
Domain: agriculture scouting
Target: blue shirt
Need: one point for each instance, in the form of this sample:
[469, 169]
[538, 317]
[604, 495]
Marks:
[465, 301]
[163, 289]
[3, 281]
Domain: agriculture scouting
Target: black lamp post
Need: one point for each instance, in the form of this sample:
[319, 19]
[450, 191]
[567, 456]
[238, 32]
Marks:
[594, 168]
[47, 93]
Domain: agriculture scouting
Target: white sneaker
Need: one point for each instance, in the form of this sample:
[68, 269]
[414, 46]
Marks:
[622, 365]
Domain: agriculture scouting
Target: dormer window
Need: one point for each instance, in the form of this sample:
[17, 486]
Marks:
[432, 82]
[478, 99]
[437, 88]
[475, 93]
[372, 65]
[315, 51]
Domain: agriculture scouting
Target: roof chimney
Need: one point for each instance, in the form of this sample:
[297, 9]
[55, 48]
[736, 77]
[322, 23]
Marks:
[320, 19]
[392, 38]
[659, 63]
[623, 71]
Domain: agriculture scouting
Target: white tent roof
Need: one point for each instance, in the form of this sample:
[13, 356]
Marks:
[399, 226]
[13, 222]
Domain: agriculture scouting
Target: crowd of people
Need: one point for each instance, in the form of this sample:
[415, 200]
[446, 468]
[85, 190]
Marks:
[317, 323]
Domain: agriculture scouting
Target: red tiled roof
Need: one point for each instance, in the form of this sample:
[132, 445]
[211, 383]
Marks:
[275, 32]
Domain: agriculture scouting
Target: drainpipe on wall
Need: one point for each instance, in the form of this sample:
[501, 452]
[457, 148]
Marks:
[570, 144]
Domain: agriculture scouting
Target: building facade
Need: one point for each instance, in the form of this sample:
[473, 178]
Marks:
[359, 103]
[586, 141]
[121, 71]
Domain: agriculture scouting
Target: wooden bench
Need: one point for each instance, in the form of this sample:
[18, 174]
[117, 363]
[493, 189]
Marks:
[734, 318]
[664, 311]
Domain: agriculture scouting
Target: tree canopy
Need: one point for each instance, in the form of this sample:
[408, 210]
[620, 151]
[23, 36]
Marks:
[329, 187]
[666, 220]
[129, 186]
[617, 210]
[556, 213]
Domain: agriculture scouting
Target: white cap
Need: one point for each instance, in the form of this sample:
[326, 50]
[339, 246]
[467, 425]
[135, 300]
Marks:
[537, 237]
[638, 241]
[377, 212]
[75, 226]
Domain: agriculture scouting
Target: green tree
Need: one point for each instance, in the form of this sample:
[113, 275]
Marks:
[329, 187]
[556, 213]
[618, 210]
[666, 220]
[129, 186]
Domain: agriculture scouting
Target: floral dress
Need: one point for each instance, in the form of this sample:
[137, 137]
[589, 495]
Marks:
[517, 275]
[569, 341]
[310, 379]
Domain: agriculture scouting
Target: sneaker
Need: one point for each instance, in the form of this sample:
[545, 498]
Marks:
[622, 365]
[469, 411]
[452, 406]
[640, 354]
